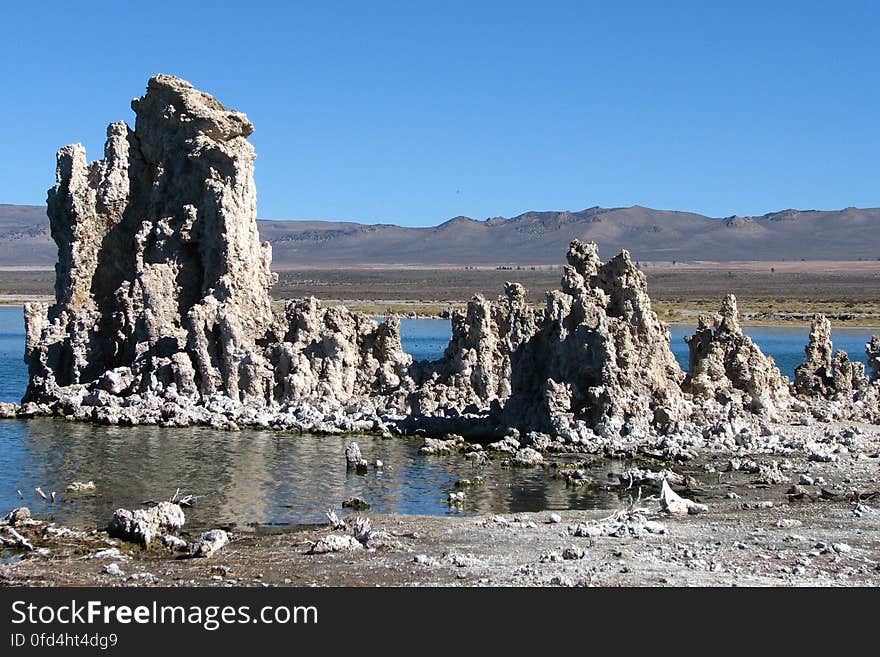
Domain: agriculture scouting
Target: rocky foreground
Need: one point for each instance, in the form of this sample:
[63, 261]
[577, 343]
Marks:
[786, 517]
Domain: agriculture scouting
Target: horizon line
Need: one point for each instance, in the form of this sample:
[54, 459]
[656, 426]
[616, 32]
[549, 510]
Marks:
[593, 207]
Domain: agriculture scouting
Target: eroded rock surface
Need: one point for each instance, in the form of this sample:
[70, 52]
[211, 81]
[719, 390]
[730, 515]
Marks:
[162, 285]
[210, 542]
[568, 369]
[873, 349]
[826, 373]
[160, 271]
[600, 358]
[726, 367]
[143, 525]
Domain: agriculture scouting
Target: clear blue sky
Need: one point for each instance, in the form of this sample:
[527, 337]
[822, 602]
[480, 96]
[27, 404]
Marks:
[414, 112]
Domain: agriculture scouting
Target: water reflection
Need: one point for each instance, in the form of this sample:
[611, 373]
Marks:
[253, 476]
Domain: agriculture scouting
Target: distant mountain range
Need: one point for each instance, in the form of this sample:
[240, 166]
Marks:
[533, 238]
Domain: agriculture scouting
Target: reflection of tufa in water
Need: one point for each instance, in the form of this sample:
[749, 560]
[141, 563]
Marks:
[257, 476]
[163, 316]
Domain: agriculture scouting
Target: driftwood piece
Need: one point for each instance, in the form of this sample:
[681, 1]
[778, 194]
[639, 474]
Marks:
[20, 540]
[672, 502]
[335, 522]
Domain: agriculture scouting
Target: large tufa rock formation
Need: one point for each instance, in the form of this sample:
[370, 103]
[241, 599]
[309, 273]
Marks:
[726, 367]
[600, 357]
[159, 270]
[476, 367]
[596, 358]
[813, 376]
[319, 352]
[873, 351]
[162, 283]
[825, 373]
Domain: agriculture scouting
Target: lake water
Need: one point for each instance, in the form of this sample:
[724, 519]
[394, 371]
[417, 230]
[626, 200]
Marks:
[13, 373]
[272, 478]
[252, 476]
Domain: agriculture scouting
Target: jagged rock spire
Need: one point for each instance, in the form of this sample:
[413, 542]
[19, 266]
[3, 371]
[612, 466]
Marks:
[159, 268]
[725, 366]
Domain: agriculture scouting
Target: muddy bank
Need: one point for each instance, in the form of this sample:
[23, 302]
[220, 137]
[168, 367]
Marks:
[787, 518]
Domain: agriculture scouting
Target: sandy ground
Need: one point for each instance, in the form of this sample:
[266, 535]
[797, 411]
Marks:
[806, 282]
[784, 293]
[753, 534]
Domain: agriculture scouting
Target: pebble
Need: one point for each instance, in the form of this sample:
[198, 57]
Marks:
[554, 518]
[209, 543]
[80, 486]
[573, 553]
[174, 542]
[356, 503]
[335, 543]
[654, 527]
[108, 553]
[112, 569]
[464, 560]
[788, 523]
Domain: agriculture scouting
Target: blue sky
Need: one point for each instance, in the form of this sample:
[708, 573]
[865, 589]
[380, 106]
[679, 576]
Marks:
[414, 112]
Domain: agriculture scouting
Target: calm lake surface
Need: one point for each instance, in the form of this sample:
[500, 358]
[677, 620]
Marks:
[272, 478]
